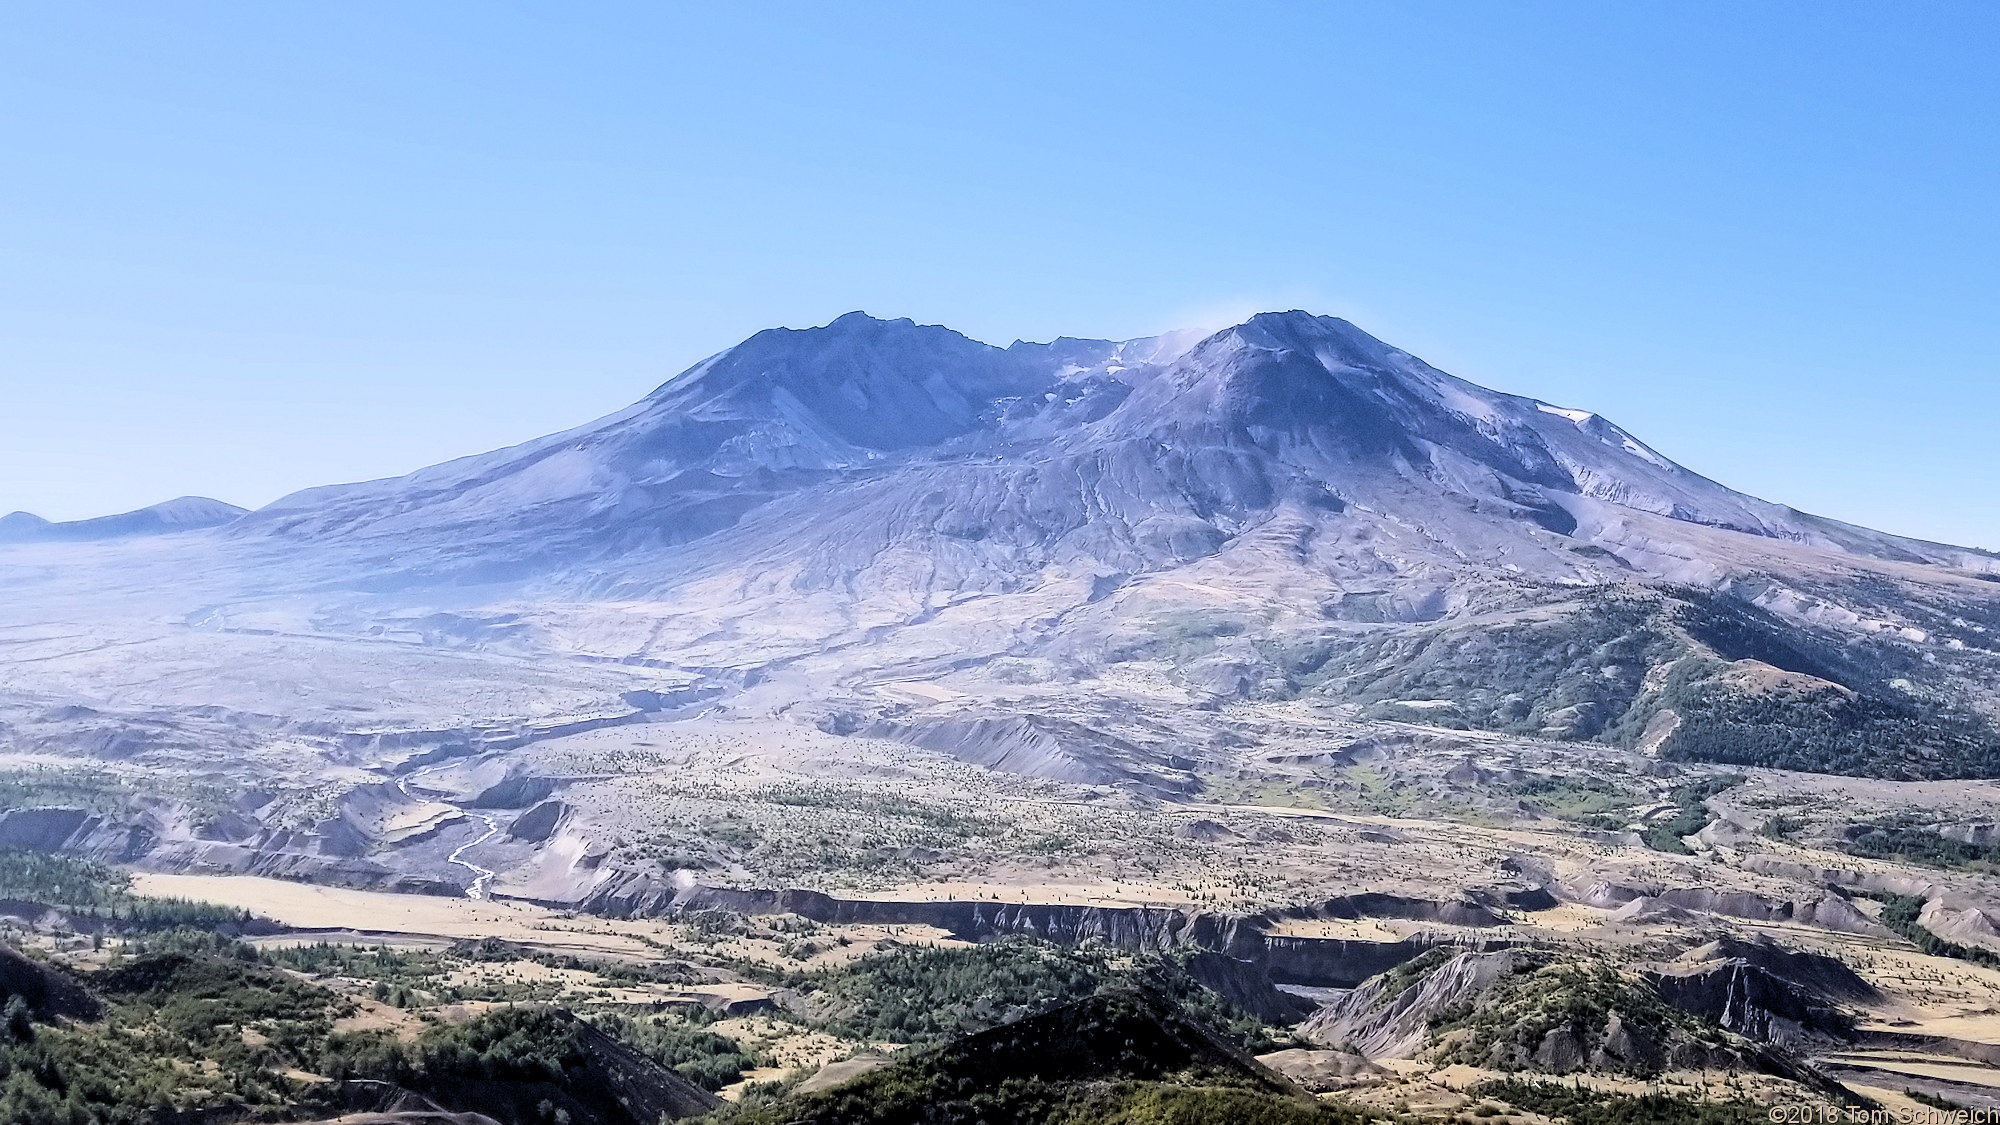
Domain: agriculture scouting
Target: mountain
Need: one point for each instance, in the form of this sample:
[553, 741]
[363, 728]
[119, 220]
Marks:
[185, 513]
[1289, 507]
[1126, 453]
[1286, 510]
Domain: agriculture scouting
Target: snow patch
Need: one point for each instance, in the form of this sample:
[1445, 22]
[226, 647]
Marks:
[1577, 416]
[1645, 454]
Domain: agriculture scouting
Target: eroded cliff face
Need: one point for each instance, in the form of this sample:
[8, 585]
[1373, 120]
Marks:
[1547, 1012]
[1255, 958]
[1751, 1001]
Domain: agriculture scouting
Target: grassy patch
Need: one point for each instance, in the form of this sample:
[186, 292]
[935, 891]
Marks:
[923, 996]
[929, 995]
[1605, 665]
[1781, 827]
[421, 979]
[922, 1099]
[97, 790]
[1587, 799]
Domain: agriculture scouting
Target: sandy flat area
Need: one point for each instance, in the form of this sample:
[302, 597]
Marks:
[1950, 1070]
[344, 916]
[1567, 918]
[792, 1049]
[1363, 929]
[379, 913]
[1021, 888]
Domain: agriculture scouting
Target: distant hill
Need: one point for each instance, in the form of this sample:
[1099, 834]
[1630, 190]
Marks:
[186, 513]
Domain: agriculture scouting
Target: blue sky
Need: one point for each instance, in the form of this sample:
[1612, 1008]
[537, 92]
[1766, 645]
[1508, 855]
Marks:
[245, 249]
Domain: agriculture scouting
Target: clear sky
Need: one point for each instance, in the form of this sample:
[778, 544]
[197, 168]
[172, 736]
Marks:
[249, 248]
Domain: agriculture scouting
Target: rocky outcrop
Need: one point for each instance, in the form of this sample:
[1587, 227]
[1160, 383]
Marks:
[376, 1102]
[538, 823]
[1622, 1044]
[1820, 974]
[1750, 1001]
[514, 793]
[1523, 898]
[1533, 1009]
[643, 1088]
[1390, 1017]
[1984, 833]
[1836, 913]
[1962, 921]
[1602, 894]
[1205, 831]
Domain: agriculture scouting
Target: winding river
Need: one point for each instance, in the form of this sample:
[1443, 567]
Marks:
[480, 875]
